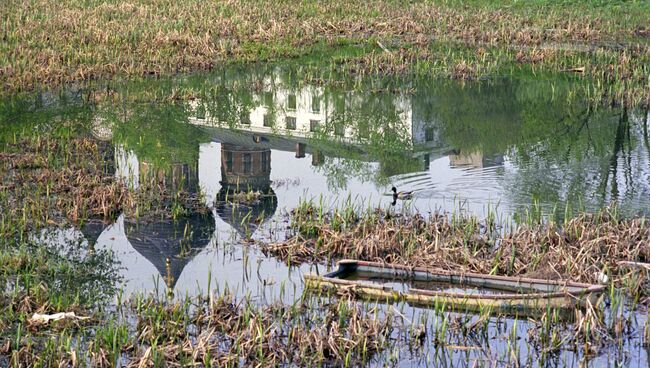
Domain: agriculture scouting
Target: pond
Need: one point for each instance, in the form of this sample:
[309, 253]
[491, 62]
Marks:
[513, 147]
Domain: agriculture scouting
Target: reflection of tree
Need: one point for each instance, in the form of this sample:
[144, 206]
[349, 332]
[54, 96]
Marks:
[230, 96]
[62, 113]
[622, 134]
[478, 116]
[338, 171]
[599, 167]
[159, 134]
[378, 128]
[561, 146]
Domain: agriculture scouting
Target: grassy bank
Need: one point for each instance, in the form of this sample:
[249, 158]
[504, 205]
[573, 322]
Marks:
[47, 42]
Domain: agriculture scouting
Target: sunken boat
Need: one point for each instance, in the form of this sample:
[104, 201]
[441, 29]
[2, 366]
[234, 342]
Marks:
[459, 291]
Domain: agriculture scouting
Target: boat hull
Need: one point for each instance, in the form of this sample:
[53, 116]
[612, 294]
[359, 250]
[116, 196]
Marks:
[517, 295]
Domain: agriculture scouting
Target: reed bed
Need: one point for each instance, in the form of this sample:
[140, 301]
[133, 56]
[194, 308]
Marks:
[221, 330]
[48, 181]
[580, 249]
[51, 43]
[218, 329]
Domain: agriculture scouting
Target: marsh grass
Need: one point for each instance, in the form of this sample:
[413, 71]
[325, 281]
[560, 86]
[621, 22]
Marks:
[51, 184]
[46, 178]
[221, 330]
[218, 329]
[49, 43]
[578, 249]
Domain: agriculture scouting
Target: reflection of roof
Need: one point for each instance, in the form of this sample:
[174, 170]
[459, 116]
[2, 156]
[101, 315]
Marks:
[311, 146]
[157, 241]
[277, 142]
[92, 229]
[246, 217]
[256, 140]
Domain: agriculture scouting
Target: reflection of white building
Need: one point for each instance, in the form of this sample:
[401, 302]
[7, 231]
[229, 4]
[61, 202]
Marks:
[295, 112]
[285, 117]
[474, 160]
[282, 110]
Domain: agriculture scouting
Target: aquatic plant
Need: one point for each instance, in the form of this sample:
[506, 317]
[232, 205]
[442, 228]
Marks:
[579, 249]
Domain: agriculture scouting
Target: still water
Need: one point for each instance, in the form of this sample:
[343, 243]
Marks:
[500, 145]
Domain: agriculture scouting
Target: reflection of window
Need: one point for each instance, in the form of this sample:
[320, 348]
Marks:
[200, 112]
[228, 161]
[291, 122]
[364, 130]
[268, 99]
[313, 125]
[315, 104]
[247, 163]
[291, 102]
[265, 161]
[339, 107]
[267, 120]
[339, 129]
[244, 118]
[428, 134]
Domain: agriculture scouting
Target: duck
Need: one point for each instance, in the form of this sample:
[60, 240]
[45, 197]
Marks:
[401, 195]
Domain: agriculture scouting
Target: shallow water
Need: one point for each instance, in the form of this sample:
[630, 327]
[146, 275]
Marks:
[504, 146]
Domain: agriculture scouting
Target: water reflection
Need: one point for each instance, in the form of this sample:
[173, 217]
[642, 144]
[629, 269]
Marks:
[158, 253]
[506, 142]
[171, 244]
[357, 125]
[474, 160]
[254, 142]
[168, 244]
[246, 198]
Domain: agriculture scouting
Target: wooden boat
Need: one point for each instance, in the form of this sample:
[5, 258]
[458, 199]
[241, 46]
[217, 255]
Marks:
[454, 290]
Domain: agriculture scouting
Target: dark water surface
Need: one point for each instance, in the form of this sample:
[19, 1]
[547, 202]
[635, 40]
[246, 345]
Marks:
[504, 145]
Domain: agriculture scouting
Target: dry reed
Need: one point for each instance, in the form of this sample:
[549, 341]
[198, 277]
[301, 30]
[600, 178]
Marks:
[578, 250]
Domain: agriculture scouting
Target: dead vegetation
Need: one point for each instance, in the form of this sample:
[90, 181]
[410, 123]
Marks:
[52, 43]
[226, 332]
[48, 181]
[577, 250]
